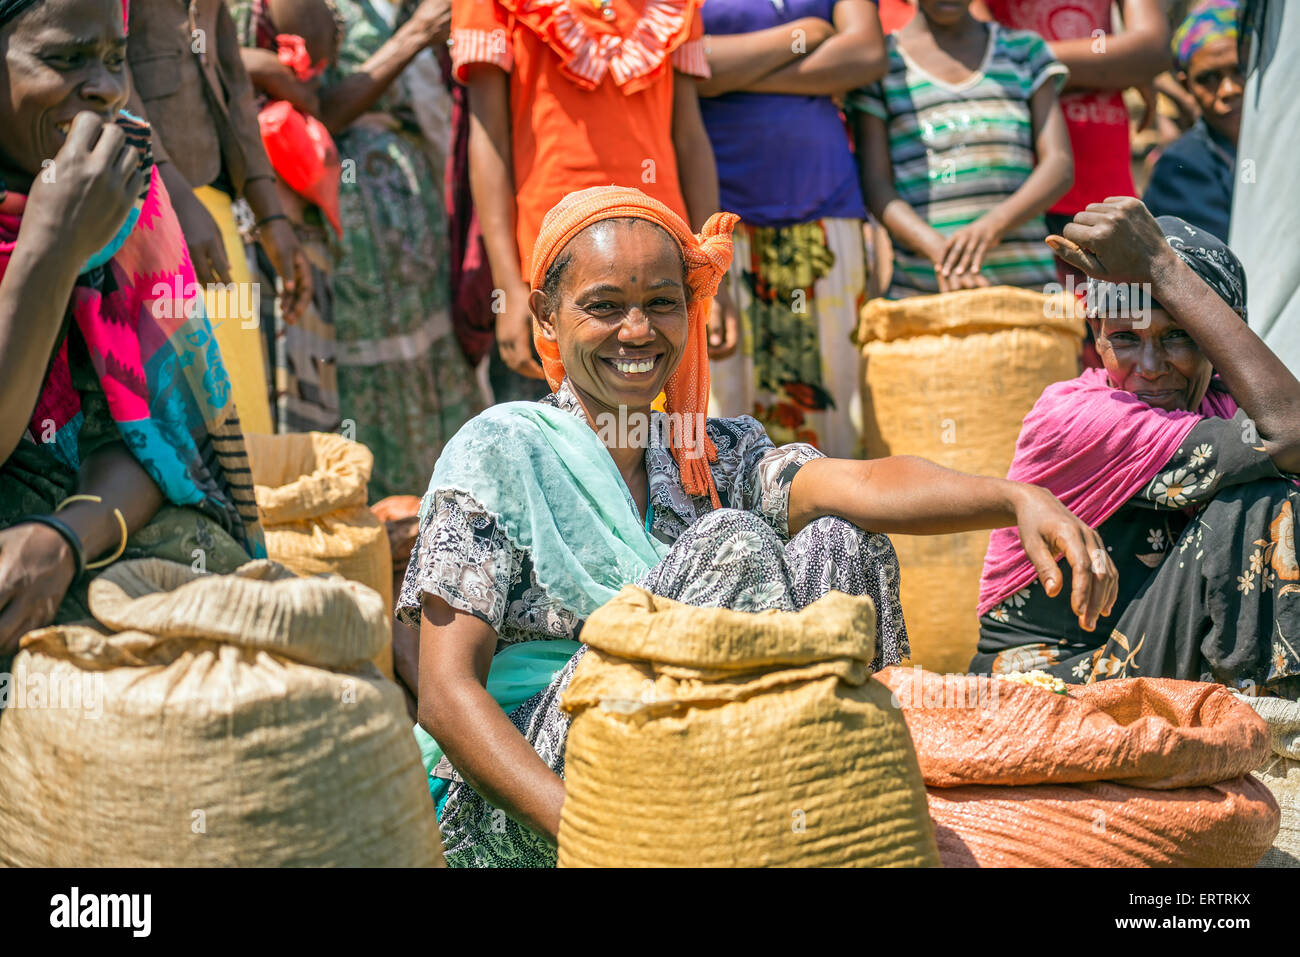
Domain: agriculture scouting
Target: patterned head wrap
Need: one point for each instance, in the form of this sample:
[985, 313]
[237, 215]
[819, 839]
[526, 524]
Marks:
[1207, 20]
[707, 257]
[1216, 264]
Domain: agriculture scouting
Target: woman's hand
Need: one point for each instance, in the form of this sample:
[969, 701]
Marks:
[724, 325]
[1047, 528]
[963, 253]
[514, 328]
[207, 249]
[433, 19]
[93, 182]
[935, 248]
[290, 262]
[1115, 241]
[36, 568]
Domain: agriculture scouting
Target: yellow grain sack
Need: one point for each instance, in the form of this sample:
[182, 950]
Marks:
[950, 378]
[1280, 773]
[311, 498]
[212, 720]
[704, 737]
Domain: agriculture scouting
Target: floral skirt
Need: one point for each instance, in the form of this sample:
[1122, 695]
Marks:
[799, 290]
[1223, 606]
[728, 559]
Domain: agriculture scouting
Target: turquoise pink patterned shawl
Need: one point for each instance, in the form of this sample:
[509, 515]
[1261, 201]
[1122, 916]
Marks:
[140, 311]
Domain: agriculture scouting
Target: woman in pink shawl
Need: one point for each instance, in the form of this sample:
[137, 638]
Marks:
[1180, 453]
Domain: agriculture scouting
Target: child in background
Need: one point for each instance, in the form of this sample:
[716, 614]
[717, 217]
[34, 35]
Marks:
[946, 147]
[1194, 177]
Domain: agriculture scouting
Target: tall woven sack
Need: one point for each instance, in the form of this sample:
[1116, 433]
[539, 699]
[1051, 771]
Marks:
[1142, 772]
[1280, 773]
[311, 498]
[703, 737]
[212, 720]
[950, 378]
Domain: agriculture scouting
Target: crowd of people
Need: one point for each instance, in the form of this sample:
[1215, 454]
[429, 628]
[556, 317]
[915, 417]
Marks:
[486, 229]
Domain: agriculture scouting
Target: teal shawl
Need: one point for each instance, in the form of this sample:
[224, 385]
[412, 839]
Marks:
[552, 487]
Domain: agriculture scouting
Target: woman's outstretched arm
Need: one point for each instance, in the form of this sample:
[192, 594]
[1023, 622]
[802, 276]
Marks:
[488, 751]
[909, 495]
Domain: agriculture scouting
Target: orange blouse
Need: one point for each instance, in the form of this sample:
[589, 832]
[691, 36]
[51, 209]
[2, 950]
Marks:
[591, 95]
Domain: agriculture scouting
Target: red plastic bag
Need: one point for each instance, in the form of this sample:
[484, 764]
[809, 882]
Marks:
[304, 155]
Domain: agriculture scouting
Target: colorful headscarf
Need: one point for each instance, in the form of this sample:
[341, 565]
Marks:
[1207, 20]
[139, 309]
[707, 257]
[1205, 253]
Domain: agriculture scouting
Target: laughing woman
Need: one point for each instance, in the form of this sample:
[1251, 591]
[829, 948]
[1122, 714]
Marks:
[118, 435]
[538, 512]
[1181, 452]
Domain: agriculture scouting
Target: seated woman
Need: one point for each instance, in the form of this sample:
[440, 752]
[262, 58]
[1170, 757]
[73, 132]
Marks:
[1179, 452]
[538, 512]
[118, 436]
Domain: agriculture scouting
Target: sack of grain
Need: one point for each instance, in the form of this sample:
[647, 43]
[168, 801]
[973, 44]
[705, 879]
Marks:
[212, 720]
[1124, 773]
[311, 498]
[1280, 773]
[950, 378]
[706, 737]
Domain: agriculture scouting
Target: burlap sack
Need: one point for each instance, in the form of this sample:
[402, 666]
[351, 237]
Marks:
[230, 721]
[311, 498]
[1229, 824]
[1146, 732]
[707, 737]
[950, 378]
[1280, 773]
[1125, 773]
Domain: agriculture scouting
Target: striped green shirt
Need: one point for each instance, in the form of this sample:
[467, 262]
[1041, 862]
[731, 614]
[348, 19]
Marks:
[960, 149]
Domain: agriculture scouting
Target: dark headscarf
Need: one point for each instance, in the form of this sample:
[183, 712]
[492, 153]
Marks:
[11, 8]
[1208, 257]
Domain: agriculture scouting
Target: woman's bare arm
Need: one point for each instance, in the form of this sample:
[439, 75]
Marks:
[876, 169]
[853, 57]
[488, 751]
[739, 59]
[909, 495]
[1117, 61]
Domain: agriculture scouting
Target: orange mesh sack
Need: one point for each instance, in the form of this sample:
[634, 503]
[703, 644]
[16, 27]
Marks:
[1280, 773]
[705, 737]
[1125, 773]
[212, 721]
[311, 498]
[950, 378]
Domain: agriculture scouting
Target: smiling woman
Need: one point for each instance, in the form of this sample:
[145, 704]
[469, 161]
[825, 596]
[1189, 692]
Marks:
[536, 515]
[1181, 453]
[115, 411]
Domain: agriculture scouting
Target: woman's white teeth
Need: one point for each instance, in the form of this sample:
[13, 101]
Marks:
[64, 126]
[626, 367]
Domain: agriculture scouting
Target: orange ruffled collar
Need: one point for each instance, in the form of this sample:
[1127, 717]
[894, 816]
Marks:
[634, 59]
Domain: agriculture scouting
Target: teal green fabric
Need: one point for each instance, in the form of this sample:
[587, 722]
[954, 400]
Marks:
[518, 673]
[550, 484]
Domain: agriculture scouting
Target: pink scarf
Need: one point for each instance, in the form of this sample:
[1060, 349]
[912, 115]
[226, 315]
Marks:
[1094, 447]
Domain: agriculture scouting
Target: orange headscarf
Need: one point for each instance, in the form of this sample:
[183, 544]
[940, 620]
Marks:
[707, 258]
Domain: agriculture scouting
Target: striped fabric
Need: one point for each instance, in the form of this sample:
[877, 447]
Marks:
[481, 46]
[959, 150]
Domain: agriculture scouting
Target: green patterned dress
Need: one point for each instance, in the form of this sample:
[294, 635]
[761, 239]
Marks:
[404, 384]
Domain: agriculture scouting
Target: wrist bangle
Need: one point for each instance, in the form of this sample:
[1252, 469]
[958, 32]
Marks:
[69, 536]
[121, 522]
[274, 216]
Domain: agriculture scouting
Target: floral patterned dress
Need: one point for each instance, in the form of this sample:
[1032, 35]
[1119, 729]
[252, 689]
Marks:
[740, 556]
[1209, 587]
